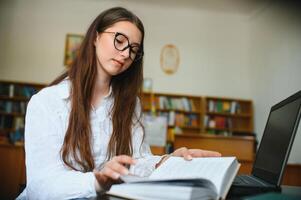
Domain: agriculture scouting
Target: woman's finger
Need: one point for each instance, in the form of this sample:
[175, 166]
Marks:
[187, 156]
[203, 153]
[117, 167]
[179, 152]
[182, 152]
[124, 159]
[107, 171]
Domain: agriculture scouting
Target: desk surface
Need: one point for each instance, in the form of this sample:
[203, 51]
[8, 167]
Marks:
[293, 190]
[286, 194]
[288, 190]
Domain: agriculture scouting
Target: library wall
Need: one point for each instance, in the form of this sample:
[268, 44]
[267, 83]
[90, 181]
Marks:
[212, 51]
[275, 49]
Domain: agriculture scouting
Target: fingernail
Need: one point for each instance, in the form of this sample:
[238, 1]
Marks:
[189, 157]
[116, 176]
[125, 172]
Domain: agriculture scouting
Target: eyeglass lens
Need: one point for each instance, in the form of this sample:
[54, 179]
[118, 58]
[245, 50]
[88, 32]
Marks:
[121, 43]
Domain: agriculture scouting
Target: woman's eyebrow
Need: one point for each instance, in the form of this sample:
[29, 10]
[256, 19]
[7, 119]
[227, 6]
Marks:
[126, 35]
[135, 44]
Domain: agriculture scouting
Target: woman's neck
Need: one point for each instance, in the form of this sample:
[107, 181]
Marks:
[101, 89]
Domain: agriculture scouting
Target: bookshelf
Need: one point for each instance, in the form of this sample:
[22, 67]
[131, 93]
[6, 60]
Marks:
[183, 114]
[189, 115]
[228, 116]
[14, 97]
[182, 111]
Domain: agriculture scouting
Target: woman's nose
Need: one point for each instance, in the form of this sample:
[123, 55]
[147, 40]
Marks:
[125, 53]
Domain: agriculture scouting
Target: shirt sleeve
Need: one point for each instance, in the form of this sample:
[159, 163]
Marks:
[141, 151]
[47, 175]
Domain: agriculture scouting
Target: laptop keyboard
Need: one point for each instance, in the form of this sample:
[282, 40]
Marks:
[247, 180]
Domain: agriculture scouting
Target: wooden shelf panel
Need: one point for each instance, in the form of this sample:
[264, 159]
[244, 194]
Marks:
[14, 98]
[12, 114]
[12, 169]
[228, 99]
[36, 85]
[7, 130]
[176, 95]
[185, 127]
[206, 135]
[158, 150]
[5, 142]
[174, 110]
[230, 130]
[244, 145]
[243, 115]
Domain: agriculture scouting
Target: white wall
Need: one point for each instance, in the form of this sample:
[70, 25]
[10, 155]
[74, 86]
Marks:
[275, 62]
[211, 45]
[222, 53]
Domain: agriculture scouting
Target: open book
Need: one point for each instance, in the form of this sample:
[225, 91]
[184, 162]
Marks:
[176, 178]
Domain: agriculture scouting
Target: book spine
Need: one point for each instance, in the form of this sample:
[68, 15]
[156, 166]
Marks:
[11, 90]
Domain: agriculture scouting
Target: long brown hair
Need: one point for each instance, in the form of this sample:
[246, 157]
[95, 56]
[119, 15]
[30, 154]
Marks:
[125, 87]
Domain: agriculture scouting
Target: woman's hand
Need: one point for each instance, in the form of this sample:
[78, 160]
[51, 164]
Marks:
[112, 170]
[188, 154]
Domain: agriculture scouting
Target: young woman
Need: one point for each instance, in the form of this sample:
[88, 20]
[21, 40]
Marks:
[84, 131]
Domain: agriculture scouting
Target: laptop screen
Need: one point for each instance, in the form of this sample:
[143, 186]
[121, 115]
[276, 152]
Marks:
[277, 140]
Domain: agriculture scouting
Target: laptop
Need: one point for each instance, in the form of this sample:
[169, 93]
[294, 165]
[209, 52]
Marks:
[274, 150]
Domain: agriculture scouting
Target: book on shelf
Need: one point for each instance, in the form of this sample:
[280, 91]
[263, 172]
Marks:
[15, 90]
[220, 106]
[226, 106]
[193, 106]
[174, 103]
[6, 122]
[217, 122]
[180, 119]
[176, 178]
[12, 107]
[235, 107]
[171, 118]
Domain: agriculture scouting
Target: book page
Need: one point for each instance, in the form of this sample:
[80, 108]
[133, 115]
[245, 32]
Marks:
[213, 169]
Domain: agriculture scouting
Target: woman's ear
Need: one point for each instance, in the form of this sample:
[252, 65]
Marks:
[96, 40]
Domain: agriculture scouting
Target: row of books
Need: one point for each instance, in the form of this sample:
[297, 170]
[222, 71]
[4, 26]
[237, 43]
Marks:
[224, 106]
[17, 136]
[176, 103]
[13, 107]
[180, 119]
[12, 90]
[10, 122]
[218, 122]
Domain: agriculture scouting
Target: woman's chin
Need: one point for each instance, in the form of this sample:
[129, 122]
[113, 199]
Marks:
[115, 72]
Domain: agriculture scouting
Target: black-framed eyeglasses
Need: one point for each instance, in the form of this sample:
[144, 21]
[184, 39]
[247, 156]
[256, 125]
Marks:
[122, 43]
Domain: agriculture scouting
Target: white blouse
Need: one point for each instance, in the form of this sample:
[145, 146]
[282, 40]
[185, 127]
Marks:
[46, 124]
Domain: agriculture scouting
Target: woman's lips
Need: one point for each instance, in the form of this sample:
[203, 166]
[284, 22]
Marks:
[118, 62]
